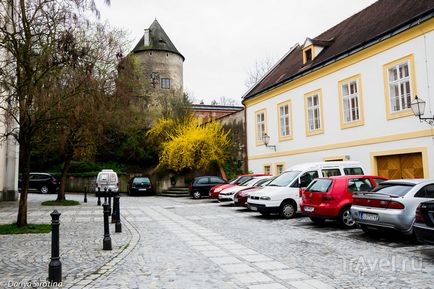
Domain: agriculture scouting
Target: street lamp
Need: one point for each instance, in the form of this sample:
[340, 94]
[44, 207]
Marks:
[418, 108]
[266, 139]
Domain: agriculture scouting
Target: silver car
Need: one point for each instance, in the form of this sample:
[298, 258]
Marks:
[392, 204]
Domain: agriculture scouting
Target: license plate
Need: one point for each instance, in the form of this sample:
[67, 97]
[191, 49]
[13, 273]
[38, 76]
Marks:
[369, 217]
[142, 189]
[253, 208]
[308, 209]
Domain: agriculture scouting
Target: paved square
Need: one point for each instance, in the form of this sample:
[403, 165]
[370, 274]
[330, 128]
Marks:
[162, 246]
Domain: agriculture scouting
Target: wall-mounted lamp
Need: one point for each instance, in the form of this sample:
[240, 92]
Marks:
[418, 108]
[266, 139]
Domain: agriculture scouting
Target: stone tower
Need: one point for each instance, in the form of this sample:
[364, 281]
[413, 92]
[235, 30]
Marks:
[161, 61]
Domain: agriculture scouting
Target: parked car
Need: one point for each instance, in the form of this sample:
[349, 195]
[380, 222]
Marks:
[281, 196]
[240, 198]
[139, 186]
[215, 191]
[200, 186]
[107, 180]
[227, 195]
[424, 221]
[42, 182]
[391, 205]
[331, 198]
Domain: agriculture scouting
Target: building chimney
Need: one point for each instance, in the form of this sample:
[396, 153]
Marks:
[146, 38]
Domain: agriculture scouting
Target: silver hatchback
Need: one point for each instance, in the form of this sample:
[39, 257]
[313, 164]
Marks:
[392, 204]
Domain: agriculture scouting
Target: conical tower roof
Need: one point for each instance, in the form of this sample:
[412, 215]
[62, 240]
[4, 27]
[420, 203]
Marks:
[158, 41]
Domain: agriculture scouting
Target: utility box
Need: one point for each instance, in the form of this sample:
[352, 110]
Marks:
[107, 179]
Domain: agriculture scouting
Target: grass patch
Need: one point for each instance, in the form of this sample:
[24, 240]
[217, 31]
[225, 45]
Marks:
[60, 203]
[9, 229]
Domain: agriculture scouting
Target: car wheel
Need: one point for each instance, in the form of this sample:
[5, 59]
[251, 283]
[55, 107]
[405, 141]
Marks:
[196, 195]
[287, 210]
[44, 190]
[317, 220]
[346, 220]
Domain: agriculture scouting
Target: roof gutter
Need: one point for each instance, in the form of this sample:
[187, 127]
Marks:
[381, 37]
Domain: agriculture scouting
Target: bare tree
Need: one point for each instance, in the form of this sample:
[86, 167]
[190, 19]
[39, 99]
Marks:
[38, 39]
[260, 68]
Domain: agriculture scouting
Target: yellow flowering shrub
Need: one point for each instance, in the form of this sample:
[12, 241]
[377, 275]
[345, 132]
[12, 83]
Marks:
[190, 145]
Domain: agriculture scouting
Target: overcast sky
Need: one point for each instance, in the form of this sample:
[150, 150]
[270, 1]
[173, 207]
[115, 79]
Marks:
[222, 39]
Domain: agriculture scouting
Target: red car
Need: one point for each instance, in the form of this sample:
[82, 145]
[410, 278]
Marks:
[240, 198]
[331, 198]
[215, 191]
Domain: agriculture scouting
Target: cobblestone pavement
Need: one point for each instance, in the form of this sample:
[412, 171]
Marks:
[185, 243]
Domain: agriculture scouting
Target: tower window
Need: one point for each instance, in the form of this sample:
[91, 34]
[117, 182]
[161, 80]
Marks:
[165, 83]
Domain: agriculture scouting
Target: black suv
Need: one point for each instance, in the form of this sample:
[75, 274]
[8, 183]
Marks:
[139, 186]
[42, 182]
[200, 186]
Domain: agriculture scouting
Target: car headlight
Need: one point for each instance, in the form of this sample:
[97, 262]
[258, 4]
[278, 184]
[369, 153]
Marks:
[265, 198]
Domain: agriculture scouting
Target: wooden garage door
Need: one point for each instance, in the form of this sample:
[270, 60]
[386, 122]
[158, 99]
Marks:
[405, 166]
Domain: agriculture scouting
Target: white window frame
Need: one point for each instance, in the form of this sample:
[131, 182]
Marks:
[400, 90]
[313, 111]
[284, 120]
[260, 126]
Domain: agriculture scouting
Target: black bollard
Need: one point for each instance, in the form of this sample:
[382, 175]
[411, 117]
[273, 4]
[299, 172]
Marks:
[99, 197]
[107, 241]
[55, 266]
[85, 195]
[105, 195]
[110, 201]
[114, 211]
[118, 225]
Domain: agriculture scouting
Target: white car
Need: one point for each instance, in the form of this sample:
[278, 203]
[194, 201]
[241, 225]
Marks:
[107, 180]
[282, 195]
[227, 195]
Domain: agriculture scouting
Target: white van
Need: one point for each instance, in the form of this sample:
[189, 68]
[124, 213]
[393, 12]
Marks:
[107, 179]
[282, 195]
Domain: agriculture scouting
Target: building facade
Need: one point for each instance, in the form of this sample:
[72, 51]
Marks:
[206, 112]
[9, 149]
[346, 95]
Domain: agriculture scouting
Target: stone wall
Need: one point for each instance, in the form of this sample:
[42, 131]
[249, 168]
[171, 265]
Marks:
[166, 65]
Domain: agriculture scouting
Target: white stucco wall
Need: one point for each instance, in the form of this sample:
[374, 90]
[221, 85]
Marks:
[376, 124]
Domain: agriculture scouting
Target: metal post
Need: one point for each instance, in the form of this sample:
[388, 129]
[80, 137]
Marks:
[85, 194]
[55, 266]
[105, 195]
[107, 241]
[99, 197]
[110, 201]
[115, 207]
[118, 225]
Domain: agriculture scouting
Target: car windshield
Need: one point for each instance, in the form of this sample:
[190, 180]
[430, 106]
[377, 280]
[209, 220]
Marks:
[393, 189]
[141, 180]
[319, 185]
[259, 182]
[233, 181]
[284, 179]
[249, 182]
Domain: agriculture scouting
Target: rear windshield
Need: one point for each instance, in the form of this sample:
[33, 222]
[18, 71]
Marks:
[142, 180]
[284, 179]
[393, 189]
[319, 185]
